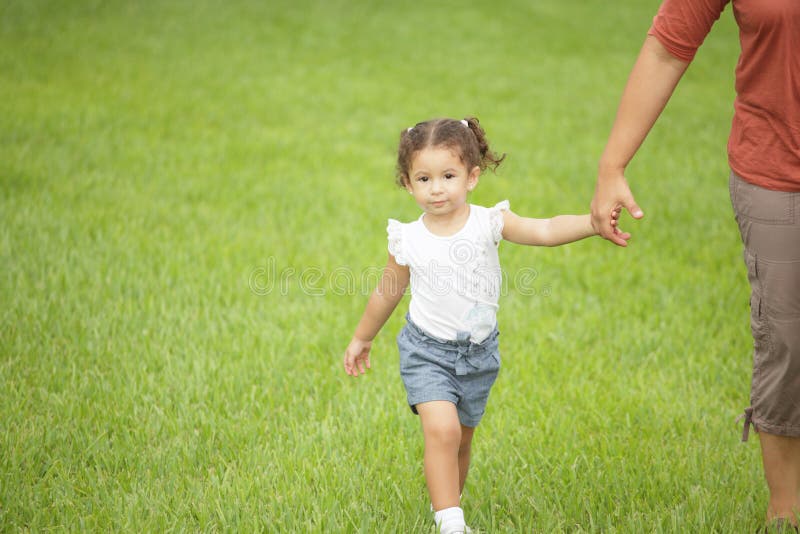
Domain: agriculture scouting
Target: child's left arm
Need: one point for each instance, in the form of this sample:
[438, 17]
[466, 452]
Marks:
[552, 232]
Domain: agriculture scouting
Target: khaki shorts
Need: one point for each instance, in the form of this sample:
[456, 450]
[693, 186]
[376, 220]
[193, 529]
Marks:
[769, 222]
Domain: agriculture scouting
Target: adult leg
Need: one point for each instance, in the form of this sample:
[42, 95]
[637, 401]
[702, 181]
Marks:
[769, 223]
[442, 432]
[781, 456]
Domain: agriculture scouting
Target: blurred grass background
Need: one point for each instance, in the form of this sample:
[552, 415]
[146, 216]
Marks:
[186, 188]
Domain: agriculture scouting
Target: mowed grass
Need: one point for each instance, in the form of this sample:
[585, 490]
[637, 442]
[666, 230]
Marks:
[193, 200]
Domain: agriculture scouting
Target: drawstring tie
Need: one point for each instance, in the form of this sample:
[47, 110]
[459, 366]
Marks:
[464, 363]
[748, 420]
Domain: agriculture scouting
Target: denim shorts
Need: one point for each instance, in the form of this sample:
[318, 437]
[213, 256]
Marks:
[460, 371]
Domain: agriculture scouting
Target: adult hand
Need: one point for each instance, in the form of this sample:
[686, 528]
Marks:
[356, 357]
[612, 193]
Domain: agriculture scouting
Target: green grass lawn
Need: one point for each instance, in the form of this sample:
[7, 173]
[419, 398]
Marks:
[193, 199]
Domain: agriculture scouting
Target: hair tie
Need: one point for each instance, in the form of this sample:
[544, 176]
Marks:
[465, 123]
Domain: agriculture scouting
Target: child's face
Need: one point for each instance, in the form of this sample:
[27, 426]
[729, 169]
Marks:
[440, 181]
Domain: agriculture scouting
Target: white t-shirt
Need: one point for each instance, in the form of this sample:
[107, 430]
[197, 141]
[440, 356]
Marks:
[455, 279]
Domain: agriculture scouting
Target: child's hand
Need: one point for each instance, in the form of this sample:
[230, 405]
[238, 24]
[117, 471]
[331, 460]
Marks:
[356, 355]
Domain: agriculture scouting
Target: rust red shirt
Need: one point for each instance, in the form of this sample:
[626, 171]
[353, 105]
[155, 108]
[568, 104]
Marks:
[764, 144]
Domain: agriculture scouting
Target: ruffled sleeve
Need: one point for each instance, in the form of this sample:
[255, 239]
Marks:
[395, 232]
[496, 219]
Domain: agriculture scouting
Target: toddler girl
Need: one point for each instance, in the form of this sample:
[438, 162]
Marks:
[449, 355]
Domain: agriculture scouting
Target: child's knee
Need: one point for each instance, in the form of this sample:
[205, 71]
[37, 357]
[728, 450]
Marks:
[444, 432]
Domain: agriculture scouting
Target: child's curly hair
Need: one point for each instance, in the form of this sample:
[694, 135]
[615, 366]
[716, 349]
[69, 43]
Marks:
[464, 136]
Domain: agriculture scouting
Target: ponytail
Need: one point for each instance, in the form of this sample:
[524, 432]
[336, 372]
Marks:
[488, 159]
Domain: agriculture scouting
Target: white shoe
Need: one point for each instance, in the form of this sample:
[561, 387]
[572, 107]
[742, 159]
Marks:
[456, 529]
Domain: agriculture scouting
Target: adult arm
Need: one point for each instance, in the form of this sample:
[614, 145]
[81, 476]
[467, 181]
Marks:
[381, 304]
[650, 85]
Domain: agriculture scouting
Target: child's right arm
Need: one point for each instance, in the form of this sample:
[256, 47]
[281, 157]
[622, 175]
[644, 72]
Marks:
[382, 302]
[558, 230]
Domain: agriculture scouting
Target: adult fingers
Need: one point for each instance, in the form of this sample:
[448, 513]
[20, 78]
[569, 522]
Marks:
[633, 208]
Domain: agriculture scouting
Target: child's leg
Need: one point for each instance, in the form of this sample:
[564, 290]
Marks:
[443, 434]
[464, 451]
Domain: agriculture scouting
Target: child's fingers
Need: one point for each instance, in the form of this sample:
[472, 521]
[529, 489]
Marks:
[615, 213]
[350, 365]
[354, 365]
[618, 236]
[364, 361]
